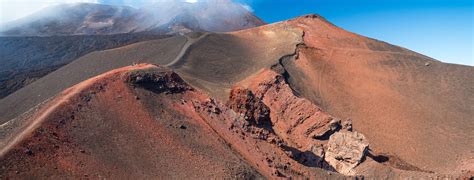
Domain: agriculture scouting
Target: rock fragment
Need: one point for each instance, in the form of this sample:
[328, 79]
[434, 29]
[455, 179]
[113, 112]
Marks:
[29, 152]
[333, 126]
[318, 150]
[347, 125]
[346, 150]
[244, 102]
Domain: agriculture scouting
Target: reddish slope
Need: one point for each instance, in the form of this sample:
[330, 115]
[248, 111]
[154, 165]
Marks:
[141, 121]
[408, 105]
[101, 128]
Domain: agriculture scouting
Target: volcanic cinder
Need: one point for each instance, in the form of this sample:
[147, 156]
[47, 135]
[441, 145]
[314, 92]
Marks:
[300, 98]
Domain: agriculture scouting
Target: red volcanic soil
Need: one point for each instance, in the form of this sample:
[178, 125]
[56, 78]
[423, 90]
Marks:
[108, 127]
[143, 121]
[407, 105]
[258, 103]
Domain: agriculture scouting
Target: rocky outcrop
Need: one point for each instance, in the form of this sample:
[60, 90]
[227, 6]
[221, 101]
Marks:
[308, 134]
[164, 81]
[296, 120]
[346, 150]
[244, 102]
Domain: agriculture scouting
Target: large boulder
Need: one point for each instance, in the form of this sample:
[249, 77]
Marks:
[346, 150]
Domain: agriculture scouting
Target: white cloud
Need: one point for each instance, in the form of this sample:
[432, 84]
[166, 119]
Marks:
[247, 7]
[191, 1]
[14, 9]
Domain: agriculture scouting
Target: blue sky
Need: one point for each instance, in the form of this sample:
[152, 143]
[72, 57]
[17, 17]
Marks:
[441, 29]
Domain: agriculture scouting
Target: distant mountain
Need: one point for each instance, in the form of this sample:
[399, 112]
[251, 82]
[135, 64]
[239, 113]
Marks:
[170, 17]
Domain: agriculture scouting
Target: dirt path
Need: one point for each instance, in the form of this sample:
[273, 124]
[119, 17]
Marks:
[189, 41]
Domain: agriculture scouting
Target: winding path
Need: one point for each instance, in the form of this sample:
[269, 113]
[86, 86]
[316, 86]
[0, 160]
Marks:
[189, 41]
